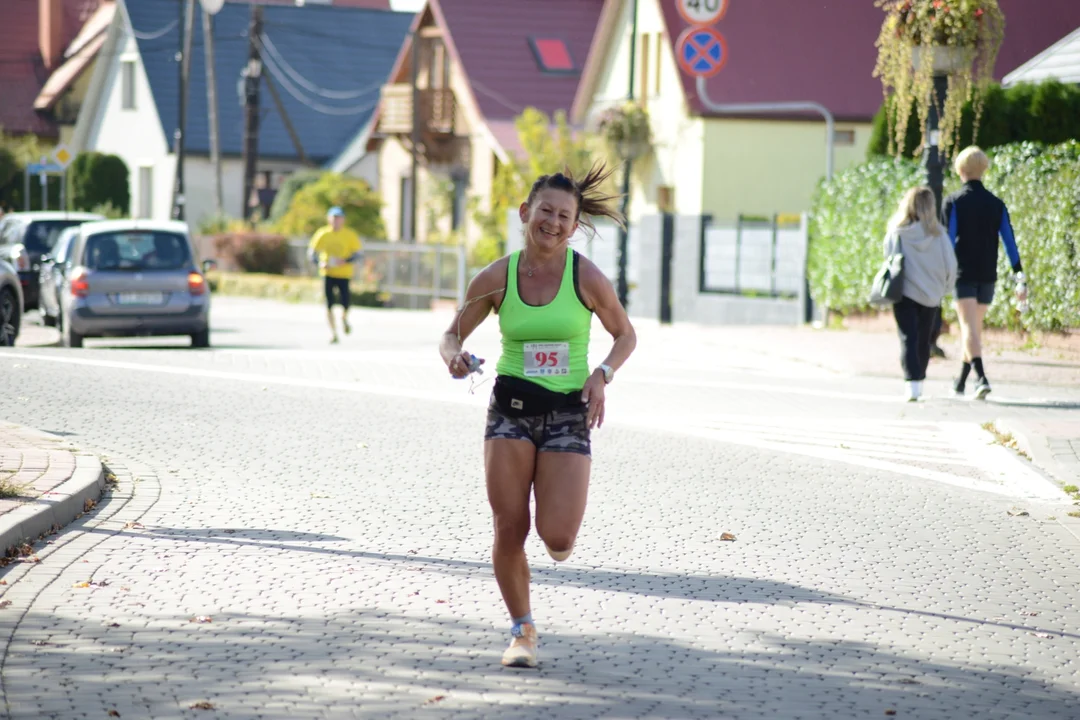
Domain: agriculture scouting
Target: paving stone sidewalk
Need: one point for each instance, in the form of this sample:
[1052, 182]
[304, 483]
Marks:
[46, 483]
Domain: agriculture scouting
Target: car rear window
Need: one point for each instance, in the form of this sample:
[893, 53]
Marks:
[136, 250]
[41, 235]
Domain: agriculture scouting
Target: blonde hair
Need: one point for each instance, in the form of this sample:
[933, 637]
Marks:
[917, 206]
[972, 163]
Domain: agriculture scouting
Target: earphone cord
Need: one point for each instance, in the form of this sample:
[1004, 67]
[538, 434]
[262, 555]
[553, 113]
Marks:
[457, 333]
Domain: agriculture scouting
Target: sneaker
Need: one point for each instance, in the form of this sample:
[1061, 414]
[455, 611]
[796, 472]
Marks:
[914, 390]
[558, 556]
[982, 389]
[345, 326]
[523, 648]
[958, 387]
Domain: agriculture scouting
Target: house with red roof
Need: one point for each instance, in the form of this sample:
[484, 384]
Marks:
[477, 66]
[754, 163]
[44, 39]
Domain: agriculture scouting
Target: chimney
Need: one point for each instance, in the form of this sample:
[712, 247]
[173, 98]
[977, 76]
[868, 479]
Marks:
[51, 32]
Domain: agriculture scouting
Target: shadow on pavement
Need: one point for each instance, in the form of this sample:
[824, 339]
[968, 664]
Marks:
[375, 663]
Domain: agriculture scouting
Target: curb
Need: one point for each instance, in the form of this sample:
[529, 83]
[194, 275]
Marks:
[1037, 447]
[55, 508]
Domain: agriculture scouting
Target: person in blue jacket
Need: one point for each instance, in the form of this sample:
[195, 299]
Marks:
[976, 218]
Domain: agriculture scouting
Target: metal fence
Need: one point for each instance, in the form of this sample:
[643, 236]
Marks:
[755, 257]
[411, 275]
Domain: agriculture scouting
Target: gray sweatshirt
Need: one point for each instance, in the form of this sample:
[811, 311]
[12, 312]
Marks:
[929, 263]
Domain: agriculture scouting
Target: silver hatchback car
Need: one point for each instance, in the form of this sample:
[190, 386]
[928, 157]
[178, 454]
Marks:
[133, 278]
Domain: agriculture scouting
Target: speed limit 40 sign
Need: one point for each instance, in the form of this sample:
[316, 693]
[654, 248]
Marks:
[701, 12]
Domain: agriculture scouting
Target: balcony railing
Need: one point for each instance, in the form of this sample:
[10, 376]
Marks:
[438, 107]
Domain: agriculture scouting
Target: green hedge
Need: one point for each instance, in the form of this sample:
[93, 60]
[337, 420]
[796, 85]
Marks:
[98, 179]
[1039, 183]
[1047, 112]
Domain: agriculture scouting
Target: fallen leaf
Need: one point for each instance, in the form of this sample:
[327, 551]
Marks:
[1029, 613]
[230, 531]
[440, 602]
[201, 619]
[39, 643]
[4, 603]
[727, 536]
[1018, 512]
[435, 699]
[3, 582]
[113, 713]
[115, 624]
[83, 584]
[890, 711]
[1044, 636]
[130, 525]
[204, 705]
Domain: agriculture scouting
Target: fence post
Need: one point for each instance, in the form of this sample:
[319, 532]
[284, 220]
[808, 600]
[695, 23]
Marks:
[772, 259]
[438, 274]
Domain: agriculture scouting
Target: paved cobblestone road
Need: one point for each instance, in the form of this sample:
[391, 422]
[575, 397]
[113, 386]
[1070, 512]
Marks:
[323, 508]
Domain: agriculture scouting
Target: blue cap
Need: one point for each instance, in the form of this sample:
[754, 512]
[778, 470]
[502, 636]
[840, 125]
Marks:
[336, 212]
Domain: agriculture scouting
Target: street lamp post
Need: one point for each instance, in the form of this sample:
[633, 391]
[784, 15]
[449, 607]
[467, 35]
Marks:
[934, 167]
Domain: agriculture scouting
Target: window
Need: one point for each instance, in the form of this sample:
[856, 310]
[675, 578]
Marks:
[146, 191]
[844, 137]
[137, 251]
[127, 84]
[552, 55]
[644, 67]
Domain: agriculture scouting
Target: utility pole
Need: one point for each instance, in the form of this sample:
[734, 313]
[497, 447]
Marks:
[252, 75]
[188, 13]
[212, 107]
[623, 286]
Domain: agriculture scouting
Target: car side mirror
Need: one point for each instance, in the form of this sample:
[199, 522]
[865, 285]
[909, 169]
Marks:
[208, 265]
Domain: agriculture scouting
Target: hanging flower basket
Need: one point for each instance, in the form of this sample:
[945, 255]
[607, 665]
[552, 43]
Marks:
[625, 129]
[923, 38]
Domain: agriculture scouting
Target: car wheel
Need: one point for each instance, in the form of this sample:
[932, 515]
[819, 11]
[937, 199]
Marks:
[200, 339]
[71, 338]
[9, 317]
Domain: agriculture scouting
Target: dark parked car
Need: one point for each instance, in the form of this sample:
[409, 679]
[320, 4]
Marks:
[54, 268]
[26, 236]
[122, 278]
[11, 302]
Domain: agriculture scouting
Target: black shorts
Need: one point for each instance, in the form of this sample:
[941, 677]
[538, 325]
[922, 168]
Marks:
[338, 287]
[565, 430]
[983, 292]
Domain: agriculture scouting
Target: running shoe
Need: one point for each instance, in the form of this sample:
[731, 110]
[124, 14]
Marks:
[958, 387]
[982, 389]
[523, 648]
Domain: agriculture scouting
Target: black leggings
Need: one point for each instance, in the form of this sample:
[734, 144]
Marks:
[915, 324]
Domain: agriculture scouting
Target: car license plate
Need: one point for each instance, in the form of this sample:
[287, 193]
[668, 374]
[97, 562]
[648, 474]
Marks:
[137, 298]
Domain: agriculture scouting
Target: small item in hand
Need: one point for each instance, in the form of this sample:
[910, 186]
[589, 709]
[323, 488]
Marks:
[474, 365]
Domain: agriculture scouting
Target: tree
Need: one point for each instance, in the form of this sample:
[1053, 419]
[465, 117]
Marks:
[98, 180]
[548, 147]
[362, 206]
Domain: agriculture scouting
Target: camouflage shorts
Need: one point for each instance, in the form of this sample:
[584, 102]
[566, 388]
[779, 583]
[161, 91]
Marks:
[559, 431]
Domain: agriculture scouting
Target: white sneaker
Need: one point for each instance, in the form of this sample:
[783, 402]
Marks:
[914, 390]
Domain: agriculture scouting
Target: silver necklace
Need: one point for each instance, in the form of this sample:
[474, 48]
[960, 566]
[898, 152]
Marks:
[530, 271]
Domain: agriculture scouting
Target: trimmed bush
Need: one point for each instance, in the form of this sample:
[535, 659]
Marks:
[307, 210]
[255, 252]
[292, 185]
[1040, 185]
[294, 289]
[98, 179]
[1047, 112]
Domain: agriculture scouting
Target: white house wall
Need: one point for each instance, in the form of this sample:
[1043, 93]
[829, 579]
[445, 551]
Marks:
[136, 135]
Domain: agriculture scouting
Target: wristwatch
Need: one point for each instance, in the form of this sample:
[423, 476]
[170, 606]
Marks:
[609, 372]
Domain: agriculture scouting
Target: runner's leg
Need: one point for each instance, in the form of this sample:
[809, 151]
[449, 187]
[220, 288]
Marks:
[509, 465]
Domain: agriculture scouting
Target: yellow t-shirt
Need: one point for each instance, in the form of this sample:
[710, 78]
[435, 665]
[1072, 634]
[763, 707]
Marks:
[336, 245]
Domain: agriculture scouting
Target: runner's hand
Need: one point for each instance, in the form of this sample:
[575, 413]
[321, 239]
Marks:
[459, 365]
[593, 395]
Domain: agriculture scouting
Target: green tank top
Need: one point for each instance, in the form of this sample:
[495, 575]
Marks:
[545, 344]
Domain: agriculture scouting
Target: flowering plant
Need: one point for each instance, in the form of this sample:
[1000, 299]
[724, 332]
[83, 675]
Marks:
[921, 38]
[625, 128]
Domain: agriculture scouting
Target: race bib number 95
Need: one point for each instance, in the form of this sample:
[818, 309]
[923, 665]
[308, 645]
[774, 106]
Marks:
[547, 359]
